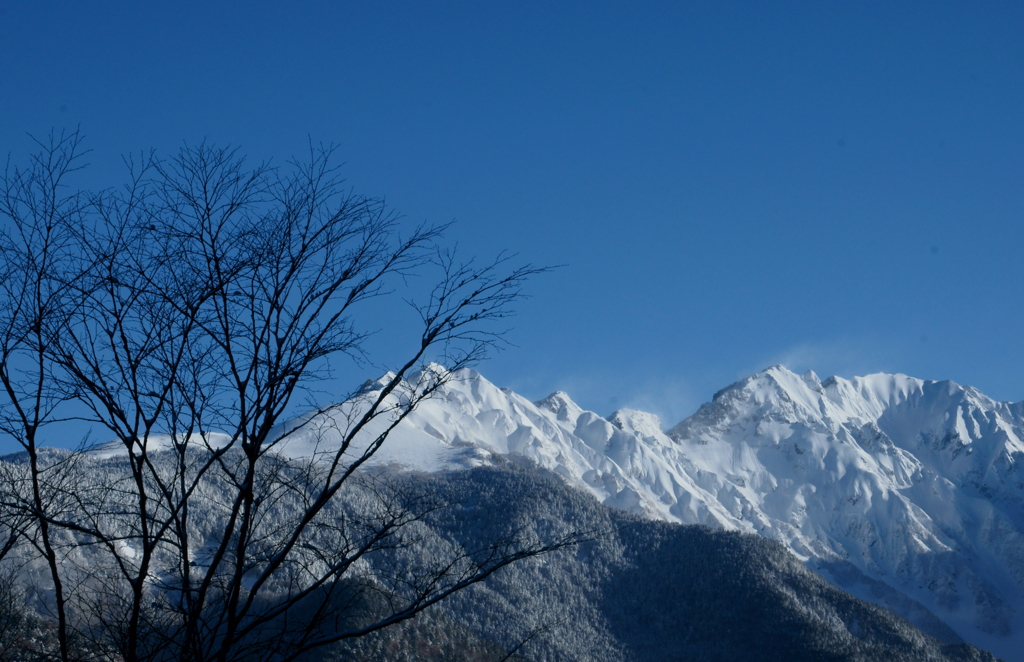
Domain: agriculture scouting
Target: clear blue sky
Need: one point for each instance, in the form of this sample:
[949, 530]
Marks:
[836, 186]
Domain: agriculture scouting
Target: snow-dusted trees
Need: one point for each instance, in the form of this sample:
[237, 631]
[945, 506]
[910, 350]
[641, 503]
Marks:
[187, 315]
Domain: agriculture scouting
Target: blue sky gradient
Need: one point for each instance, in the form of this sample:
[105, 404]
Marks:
[834, 186]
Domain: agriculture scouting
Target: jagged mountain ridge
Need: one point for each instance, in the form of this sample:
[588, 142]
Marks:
[904, 491]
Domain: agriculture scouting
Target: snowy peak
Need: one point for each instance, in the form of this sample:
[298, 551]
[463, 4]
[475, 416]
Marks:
[640, 423]
[774, 394]
[906, 479]
[903, 406]
[561, 405]
[371, 385]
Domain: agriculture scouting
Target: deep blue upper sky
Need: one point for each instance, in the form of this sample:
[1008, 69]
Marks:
[836, 186]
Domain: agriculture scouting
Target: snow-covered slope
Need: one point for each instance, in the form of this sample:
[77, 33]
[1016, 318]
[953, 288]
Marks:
[914, 483]
[906, 492]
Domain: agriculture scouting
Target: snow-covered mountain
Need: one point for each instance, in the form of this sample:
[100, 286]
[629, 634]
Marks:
[905, 492]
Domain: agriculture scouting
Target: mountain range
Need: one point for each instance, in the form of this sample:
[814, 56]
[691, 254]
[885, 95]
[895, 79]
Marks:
[904, 492]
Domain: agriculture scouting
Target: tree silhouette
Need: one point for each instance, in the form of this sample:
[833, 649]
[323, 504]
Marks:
[188, 314]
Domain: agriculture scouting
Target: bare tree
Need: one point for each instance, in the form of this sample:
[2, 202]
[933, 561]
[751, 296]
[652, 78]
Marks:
[36, 247]
[190, 314]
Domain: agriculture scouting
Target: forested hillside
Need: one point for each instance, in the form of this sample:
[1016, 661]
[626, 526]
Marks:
[631, 590]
